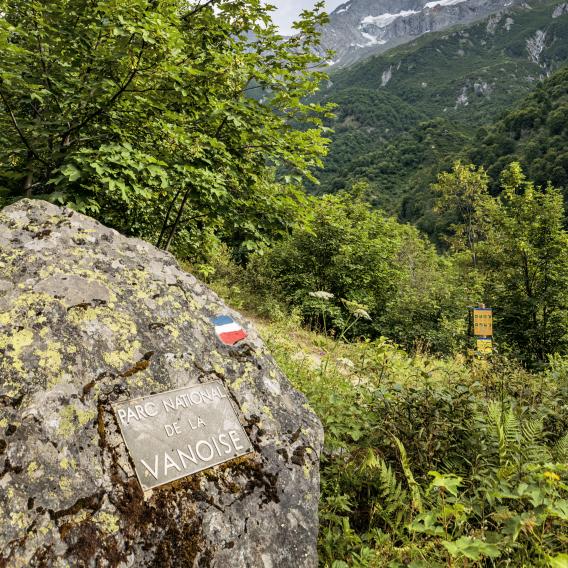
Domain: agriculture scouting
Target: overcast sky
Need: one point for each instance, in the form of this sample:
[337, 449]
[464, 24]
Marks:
[289, 9]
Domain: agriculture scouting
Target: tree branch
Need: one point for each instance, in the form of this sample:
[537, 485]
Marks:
[200, 7]
[18, 129]
[111, 101]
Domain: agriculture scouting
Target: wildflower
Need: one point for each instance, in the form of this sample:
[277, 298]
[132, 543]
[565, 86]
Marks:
[551, 476]
[346, 362]
[356, 309]
[360, 313]
[321, 295]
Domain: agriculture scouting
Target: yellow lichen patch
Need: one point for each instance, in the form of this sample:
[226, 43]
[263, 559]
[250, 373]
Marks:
[242, 380]
[49, 359]
[18, 520]
[78, 317]
[145, 380]
[107, 522]
[64, 463]
[127, 356]
[24, 308]
[70, 416]
[14, 344]
[80, 517]
[85, 416]
[32, 468]
[9, 260]
[66, 421]
[120, 325]
[65, 485]
[116, 321]
[173, 331]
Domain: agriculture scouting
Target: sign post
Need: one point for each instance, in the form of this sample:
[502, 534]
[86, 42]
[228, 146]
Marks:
[481, 328]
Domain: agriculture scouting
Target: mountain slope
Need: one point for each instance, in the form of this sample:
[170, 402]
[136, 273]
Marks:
[453, 82]
[534, 133]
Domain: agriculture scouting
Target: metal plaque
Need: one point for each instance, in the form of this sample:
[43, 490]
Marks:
[484, 345]
[483, 322]
[180, 432]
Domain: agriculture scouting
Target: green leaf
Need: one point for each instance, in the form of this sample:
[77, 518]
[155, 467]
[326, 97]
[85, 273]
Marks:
[558, 561]
[449, 482]
[71, 172]
[471, 548]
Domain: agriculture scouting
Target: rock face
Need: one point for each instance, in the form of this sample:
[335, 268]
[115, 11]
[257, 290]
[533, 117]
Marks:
[87, 318]
[360, 28]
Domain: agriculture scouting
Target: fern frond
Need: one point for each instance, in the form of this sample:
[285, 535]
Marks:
[533, 449]
[532, 432]
[393, 495]
[412, 484]
[511, 429]
[560, 450]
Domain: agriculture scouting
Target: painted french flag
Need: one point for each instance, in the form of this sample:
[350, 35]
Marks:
[228, 330]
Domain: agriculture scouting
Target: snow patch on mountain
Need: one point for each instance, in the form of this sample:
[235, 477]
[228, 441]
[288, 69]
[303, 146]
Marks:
[384, 20]
[431, 5]
[360, 28]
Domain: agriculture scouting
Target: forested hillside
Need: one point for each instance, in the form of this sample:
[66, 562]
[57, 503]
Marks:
[455, 82]
[534, 132]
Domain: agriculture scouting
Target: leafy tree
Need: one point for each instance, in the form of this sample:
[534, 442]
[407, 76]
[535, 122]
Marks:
[346, 250]
[527, 253]
[462, 193]
[166, 118]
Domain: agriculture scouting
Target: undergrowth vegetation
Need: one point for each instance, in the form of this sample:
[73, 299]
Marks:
[433, 462]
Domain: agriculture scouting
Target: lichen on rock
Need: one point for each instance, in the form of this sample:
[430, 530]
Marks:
[87, 318]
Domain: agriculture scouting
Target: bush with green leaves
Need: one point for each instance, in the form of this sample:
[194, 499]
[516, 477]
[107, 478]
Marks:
[351, 260]
[431, 462]
[517, 245]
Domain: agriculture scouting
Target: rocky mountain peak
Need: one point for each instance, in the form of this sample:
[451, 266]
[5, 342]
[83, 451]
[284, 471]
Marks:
[359, 28]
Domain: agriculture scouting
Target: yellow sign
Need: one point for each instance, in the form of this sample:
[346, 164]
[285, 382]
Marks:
[485, 346]
[483, 322]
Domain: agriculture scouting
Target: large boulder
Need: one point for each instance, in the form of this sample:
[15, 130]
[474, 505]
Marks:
[88, 318]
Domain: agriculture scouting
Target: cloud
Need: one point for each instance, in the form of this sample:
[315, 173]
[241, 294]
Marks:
[288, 10]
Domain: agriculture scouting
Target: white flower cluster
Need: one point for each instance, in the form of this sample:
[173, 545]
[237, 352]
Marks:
[321, 295]
[360, 313]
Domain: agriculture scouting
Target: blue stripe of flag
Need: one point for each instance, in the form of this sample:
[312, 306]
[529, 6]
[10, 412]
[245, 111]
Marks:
[222, 320]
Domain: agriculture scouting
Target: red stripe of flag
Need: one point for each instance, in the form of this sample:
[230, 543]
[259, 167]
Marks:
[232, 337]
